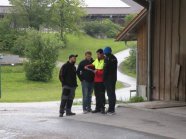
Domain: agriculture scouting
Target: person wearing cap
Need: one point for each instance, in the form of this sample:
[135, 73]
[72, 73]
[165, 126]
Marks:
[67, 76]
[99, 88]
[110, 78]
[87, 81]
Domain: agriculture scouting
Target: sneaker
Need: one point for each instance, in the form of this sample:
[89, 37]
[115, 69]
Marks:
[70, 114]
[96, 111]
[111, 113]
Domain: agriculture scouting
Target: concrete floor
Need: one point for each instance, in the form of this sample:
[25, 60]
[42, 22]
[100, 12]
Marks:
[41, 121]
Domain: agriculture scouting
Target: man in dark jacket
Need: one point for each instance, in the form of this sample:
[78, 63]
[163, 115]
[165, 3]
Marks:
[68, 79]
[110, 78]
[87, 81]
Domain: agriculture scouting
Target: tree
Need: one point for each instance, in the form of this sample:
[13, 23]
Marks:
[42, 54]
[66, 16]
[30, 13]
[129, 18]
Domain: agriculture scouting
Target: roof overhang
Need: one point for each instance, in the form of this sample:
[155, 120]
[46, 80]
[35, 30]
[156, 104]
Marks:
[143, 3]
[130, 31]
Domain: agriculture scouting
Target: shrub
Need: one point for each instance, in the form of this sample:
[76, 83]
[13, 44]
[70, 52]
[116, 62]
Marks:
[105, 28]
[130, 61]
[42, 53]
[7, 35]
[136, 99]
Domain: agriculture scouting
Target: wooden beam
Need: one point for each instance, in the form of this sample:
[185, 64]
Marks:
[142, 3]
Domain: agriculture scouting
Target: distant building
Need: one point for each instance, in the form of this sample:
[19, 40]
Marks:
[115, 10]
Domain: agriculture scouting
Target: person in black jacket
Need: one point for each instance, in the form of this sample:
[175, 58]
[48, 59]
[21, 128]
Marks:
[68, 79]
[110, 78]
[87, 81]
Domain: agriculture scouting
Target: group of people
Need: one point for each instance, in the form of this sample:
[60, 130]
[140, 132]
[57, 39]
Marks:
[99, 75]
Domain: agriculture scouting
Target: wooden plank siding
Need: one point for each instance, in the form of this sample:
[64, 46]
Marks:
[175, 48]
[156, 54]
[182, 57]
[169, 49]
[142, 54]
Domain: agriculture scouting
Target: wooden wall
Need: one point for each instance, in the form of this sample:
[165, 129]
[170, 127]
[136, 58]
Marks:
[169, 50]
[142, 54]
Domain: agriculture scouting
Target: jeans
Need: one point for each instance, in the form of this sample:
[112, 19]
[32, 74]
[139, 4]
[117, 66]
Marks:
[87, 89]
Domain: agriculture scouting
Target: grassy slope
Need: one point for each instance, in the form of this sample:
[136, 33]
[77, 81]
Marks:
[15, 87]
[78, 45]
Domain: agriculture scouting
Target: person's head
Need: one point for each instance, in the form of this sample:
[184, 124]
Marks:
[100, 53]
[107, 50]
[72, 59]
[88, 55]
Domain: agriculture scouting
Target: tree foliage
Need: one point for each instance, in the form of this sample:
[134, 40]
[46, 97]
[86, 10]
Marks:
[103, 28]
[129, 18]
[30, 13]
[66, 16]
[130, 61]
[42, 56]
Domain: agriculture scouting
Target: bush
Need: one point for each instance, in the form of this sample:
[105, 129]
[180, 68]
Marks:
[42, 53]
[105, 28]
[136, 99]
[25, 41]
[130, 61]
[7, 35]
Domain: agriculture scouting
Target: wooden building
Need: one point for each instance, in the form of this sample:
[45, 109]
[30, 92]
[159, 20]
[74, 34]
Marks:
[161, 44]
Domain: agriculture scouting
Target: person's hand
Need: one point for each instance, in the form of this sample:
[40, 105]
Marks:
[86, 67]
[95, 71]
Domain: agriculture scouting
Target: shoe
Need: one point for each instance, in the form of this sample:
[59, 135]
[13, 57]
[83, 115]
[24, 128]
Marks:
[61, 114]
[85, 112]
[70, 114]
[96, 111]
[111, 113]
[103, 111]
[89, 110]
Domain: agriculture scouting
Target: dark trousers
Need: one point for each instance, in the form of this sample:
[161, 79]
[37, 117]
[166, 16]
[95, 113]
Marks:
[67, 97]
[99, 90]
[110, 88]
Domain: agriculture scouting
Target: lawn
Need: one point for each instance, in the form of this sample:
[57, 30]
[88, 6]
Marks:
[80, 44]
[15, 87]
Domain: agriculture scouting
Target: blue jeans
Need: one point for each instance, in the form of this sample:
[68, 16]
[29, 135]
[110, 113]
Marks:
[87, 89]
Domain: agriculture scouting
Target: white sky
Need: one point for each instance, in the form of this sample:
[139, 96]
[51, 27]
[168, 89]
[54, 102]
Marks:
[89, 3]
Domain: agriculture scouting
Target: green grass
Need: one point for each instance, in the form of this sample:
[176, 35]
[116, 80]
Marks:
[126, 70]
[16, 88]
[78, 45]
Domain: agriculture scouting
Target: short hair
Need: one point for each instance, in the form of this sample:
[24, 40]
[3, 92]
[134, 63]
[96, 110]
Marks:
[88, 53]
[99, 51]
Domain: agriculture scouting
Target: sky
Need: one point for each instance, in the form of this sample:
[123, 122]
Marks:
[89, 3]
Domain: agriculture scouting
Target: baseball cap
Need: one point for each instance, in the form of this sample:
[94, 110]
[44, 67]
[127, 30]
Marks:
[72, 55]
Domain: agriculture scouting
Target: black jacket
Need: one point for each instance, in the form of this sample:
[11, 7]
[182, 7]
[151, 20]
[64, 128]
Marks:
[67, 75]
[85, 74]
[110, 68]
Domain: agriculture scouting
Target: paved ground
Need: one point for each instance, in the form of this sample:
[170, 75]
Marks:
[41, 121]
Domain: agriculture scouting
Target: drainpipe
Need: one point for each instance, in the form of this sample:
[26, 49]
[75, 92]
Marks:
[150, 35]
